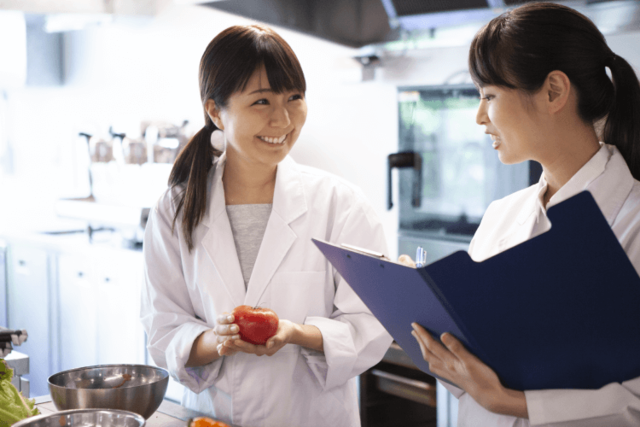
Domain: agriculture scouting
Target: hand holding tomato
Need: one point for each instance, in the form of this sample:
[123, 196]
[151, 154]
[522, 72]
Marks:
[256, 324]
[260, 332]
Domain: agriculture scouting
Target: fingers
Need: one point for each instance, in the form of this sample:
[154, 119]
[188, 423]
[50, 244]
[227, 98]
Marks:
[226, 330]
[406, 260]
[425, 341]
[452, 344]
[225, 318]
[226, 338]
[426, 354]
[457, 348]
[434, 346]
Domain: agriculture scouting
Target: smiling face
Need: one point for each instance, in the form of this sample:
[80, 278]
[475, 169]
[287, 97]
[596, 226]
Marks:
[511, 118]
[260, 126]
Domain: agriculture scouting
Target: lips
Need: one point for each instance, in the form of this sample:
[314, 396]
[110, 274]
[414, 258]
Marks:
[495, 139]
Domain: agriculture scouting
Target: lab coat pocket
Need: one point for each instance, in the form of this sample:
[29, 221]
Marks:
[295, 295]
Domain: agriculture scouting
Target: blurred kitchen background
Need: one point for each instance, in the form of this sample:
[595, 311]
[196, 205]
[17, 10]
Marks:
[98, 96]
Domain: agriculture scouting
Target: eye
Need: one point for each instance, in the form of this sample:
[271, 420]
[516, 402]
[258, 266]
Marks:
[295, 97]
[262, 101]
[487, 97]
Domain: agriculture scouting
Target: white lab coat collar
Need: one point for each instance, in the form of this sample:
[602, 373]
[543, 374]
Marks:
[610, 192]
[289, 203]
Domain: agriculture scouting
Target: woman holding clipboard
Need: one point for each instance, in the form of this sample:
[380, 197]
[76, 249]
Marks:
[541, 70]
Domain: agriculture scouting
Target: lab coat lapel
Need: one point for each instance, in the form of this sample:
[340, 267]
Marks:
[218, 240]
[523, 227]
[289, 203]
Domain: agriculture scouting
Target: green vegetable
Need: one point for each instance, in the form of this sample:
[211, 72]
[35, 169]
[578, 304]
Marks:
[13, 406]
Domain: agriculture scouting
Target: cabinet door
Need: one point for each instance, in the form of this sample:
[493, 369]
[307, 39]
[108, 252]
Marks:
[120, 332]
[28, 306]
[79, 304]
[4, 318]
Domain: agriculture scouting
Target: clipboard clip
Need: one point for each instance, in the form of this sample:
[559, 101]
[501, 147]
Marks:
[364, 251]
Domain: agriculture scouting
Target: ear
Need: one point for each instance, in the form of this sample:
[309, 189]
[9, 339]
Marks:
[214, 113]
[557, 88]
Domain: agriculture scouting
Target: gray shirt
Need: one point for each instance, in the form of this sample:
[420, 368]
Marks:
[248, 224]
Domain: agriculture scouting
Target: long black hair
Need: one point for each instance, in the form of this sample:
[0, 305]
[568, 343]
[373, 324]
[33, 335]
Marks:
[226, 66]
[519, 49]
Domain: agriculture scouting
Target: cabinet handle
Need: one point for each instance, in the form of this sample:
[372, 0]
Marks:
[80, 274]
[22, 263]
[406, 159]
[407, 388]
[106, 279]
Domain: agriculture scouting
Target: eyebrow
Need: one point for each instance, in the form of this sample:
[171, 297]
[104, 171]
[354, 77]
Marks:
[260, 91]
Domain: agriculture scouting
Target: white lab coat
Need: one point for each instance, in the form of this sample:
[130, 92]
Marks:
[521, 216]
[185, 292]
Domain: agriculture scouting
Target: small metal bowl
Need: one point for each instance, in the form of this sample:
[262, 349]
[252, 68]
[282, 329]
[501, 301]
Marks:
[85, 418]
[135, 388]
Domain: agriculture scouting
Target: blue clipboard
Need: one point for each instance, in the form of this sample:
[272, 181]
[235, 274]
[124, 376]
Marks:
[561, 310]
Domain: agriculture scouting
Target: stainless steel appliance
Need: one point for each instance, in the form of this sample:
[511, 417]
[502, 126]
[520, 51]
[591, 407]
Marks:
[448, 170]
[448, 175]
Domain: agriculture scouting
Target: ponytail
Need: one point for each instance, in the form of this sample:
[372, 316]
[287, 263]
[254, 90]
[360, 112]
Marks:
[622, 127]
[192, 168]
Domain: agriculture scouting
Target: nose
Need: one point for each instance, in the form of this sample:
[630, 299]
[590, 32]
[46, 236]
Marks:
[481, 116]
[280, 117]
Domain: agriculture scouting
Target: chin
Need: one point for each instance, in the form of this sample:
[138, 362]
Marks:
[510, 160]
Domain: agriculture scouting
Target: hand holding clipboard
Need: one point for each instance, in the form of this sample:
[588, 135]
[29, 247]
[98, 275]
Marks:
[536, 327]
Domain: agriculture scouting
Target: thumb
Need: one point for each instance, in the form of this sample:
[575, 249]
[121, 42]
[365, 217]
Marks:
[406, 260]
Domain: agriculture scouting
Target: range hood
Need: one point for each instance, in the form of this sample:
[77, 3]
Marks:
[358, 23]
[353, 23]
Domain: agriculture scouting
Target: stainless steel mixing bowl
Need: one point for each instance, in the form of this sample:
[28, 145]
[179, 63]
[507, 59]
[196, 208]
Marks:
[85, 418]
[136, 388]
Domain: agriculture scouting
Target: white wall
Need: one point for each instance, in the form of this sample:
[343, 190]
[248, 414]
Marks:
[141, 69]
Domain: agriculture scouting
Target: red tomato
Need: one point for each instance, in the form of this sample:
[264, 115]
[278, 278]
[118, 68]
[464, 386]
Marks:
[256, 324]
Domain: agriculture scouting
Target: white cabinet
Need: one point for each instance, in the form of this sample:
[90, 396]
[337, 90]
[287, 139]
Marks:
[78, 308]
[79, 302]
[120, 334]
[100, 308]
[29, 307]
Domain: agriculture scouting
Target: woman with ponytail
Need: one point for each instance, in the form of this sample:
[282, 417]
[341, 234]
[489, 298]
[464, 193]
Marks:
[541, 70]
[234, 228]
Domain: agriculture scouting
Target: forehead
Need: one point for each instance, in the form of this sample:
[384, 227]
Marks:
[259, 80]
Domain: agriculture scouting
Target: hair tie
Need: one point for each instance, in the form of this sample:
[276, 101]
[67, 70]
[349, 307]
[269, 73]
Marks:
[611, 60]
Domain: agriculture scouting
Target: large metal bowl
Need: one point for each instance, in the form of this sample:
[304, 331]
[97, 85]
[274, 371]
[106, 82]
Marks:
[135, 388]
[85, 418]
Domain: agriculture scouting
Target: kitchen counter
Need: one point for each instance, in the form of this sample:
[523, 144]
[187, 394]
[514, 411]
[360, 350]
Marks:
[169, 414]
